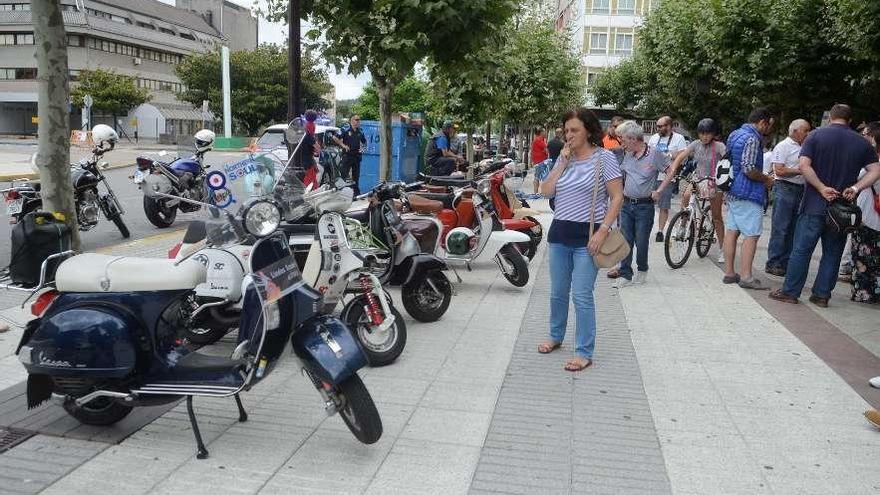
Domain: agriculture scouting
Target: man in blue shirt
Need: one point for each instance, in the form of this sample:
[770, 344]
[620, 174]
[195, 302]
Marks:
[746, 198]
[439, 154]
[352, 141]
[830, 162]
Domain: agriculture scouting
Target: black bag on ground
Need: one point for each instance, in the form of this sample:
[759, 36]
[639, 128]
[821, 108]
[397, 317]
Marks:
[36, 237]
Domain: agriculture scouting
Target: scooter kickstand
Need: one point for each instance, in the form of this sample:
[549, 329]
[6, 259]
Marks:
[202, 451]
[242, 414]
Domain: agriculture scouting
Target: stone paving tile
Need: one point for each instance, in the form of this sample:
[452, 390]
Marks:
[554, 432]
[38, 462]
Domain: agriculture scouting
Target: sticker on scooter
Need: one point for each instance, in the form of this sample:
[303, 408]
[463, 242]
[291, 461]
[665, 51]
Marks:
[216, 180]
[222, 198]
[277, 280]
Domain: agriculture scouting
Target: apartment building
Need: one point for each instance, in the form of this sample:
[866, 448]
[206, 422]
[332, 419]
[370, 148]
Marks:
[144, 39]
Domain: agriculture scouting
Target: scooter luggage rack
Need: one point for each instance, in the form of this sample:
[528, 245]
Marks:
[7, 284]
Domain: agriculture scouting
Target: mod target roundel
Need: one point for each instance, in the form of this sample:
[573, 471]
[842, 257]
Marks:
[216, 180]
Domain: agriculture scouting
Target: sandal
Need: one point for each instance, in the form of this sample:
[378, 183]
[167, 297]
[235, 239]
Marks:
[575, 365]
[548, 347]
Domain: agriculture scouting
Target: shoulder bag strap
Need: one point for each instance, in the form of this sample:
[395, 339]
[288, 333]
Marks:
[598, 169]
[713, 170]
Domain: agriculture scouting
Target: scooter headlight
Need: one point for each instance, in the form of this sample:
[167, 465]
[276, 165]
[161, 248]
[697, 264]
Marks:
[261, 218]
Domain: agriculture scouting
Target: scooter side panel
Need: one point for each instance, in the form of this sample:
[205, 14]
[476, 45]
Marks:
[328, 349]
[414, 267]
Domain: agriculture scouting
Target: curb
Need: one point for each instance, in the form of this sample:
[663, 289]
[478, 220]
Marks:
[9, 177]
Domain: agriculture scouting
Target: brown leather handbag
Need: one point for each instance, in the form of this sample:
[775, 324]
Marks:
[615, 247]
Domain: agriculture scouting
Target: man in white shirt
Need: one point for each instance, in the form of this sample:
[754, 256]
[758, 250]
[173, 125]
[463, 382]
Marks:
[669, 143]
[788, 189]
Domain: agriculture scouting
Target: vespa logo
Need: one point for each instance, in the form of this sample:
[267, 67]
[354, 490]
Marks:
[41, 358]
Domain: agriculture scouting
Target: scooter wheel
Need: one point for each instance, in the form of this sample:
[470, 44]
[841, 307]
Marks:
[381, 348]
[513, 266]
[358, 410]
[102, 411]
[422, 302]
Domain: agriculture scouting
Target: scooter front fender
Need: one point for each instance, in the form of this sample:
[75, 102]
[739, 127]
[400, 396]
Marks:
[414, 267]
[500, 238]
[328, 349]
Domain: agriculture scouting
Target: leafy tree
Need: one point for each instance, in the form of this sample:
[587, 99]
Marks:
[112, 93]
[387, 38]
[259, 84]
[411, 95]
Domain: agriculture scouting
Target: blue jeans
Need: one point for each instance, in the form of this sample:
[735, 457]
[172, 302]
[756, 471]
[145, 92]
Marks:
[809, 231]
[572, 272]
[786, 202]
[636, 223]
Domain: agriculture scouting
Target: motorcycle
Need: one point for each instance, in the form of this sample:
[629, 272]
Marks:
[405, 249]
[105, 339]
[470, 225]
[182, 178]
[513, 214]
[25, 197]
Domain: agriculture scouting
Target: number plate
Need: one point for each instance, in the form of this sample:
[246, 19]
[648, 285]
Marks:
[14, 208]
[139, 177]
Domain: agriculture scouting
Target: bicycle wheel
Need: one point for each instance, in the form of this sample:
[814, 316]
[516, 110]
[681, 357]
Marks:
[705, 235]
[679, 240]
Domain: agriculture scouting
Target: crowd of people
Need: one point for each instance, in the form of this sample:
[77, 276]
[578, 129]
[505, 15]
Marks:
[620, 178]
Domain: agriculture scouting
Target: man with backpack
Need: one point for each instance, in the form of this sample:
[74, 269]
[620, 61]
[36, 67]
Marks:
[439, 154]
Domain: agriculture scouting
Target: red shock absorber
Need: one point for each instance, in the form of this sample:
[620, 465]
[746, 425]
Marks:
[373, 309]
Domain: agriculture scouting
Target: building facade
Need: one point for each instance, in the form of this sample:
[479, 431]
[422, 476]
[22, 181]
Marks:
[143, 39]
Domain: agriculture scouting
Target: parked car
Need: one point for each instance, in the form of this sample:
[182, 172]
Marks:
[274, 139]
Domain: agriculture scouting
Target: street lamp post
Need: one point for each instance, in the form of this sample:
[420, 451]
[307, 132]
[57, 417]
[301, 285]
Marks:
[294, 108]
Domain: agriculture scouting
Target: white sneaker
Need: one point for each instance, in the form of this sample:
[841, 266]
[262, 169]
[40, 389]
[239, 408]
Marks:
[622, 282]
[875, 382]
[721, 258]
[640, 278]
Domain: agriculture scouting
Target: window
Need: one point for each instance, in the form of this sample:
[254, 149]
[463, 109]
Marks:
[24, 39]
[146, 25]
[14, 6]
[73, 74]
[187, 36]
[626, 7]
[7, 74]
[7, 39]
[74, 40]
[598, 43]
[591, 78]
[166, 31]
[601, 6]
[26, 73]
[623, 44]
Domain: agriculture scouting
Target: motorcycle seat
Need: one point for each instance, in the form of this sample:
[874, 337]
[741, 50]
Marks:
[91, 272]
[420, 204]
[442, 180]
[445, 199]
[298, 228]
[362, 215]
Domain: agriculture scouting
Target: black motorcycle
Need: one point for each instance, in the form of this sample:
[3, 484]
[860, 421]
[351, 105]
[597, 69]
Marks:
[24, 197]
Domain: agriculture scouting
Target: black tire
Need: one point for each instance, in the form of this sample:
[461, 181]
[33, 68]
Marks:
[157, 214]
[358, 410]
[513, 266]
[705, 236]
[381, 351]
[678, 242]
[102, 411]
[123, 229]
[422, 302]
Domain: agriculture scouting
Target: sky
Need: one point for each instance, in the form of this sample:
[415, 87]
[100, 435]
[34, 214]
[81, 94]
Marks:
[347, 87]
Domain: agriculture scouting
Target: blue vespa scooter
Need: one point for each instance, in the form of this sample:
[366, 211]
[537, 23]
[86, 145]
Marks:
[105, 339]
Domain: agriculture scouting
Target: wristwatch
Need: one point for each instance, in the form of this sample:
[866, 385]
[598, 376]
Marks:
[854, 189]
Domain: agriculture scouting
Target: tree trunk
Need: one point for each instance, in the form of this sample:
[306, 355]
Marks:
[470, 146]
[53, 152]
[488, 146]
[385, 90]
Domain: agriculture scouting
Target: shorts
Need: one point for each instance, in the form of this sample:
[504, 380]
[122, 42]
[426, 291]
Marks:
[746, 217]
[665, 201]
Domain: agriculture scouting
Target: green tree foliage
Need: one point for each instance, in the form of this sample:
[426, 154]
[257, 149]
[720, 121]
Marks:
[259, 84]
[720, 58]
[112, 93]
[411, 95]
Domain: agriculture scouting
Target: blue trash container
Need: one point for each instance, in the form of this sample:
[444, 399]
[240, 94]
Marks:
[405, 153]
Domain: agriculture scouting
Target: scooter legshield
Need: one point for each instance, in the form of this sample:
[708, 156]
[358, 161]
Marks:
[328, 349]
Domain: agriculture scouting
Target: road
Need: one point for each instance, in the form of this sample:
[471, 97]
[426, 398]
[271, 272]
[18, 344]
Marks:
[106, 233]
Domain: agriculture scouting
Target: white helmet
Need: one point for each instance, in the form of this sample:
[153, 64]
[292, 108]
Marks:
[204, 140]
[102, 134]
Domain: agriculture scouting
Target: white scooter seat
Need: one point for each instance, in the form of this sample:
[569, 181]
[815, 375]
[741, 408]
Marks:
[104, 273]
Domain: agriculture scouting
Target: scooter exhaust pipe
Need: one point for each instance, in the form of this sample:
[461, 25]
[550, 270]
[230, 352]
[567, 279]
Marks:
[103, 393]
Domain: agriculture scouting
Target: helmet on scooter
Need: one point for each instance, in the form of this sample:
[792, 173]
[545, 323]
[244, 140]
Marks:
[104, 135]
[204, 141]
[458, 241]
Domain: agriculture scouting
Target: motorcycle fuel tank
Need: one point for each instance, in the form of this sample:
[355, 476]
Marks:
[184, 165]
[82, 178]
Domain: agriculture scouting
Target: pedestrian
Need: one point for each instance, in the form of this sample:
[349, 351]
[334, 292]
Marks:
[670, 143]
[788, 189]
[439, 154]
[640, 167]
[554, 146]
[831, 158]
[308, 150]
[353, 142]
[865, 247]
[846, 267]
[538, 152]
[745, 200]
[706, 152]
[612, 141]
[573, 181]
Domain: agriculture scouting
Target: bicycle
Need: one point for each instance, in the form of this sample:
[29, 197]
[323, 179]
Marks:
[691, 224]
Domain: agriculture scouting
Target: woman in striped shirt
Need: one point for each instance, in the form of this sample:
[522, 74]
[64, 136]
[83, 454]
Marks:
[572, 271]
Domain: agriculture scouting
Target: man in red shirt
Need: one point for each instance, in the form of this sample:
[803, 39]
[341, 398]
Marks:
[539, 151]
